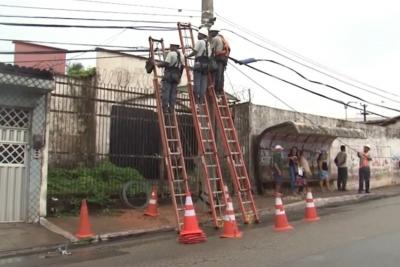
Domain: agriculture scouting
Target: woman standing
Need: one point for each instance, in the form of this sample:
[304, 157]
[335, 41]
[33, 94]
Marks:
[323, 170]
[304, 172]
[293, 167]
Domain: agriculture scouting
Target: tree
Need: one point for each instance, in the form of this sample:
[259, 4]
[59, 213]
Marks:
[79, 71]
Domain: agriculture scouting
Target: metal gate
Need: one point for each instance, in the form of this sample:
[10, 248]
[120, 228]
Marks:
[14, 136]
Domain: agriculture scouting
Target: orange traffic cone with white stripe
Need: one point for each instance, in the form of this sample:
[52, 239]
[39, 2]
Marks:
[311, 210]
[152, 208]
[281, 222]
[85, 229]
[191, 232]
[231, 229]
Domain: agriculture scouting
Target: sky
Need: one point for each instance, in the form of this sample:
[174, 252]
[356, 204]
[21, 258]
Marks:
[345, 39]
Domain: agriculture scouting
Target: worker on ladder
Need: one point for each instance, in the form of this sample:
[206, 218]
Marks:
[201, 53]
[220, 51]
[173, 65]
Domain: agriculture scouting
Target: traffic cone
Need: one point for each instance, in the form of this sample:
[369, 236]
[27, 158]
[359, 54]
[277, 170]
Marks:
[281, 222]
[85, 230]
[152, 208]
[231, 229]
[191, 232]
[311, 211]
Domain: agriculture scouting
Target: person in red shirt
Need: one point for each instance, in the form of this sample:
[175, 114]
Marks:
[364, 170]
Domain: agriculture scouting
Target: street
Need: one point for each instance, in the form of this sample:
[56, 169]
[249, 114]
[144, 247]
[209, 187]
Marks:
[365, 234]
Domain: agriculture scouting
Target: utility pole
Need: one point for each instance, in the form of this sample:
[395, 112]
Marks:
[364, 112]
[207, 12]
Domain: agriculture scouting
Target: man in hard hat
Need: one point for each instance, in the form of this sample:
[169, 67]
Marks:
[220, 51]
[277, 167]
[172, 76]
[202, 53]
[364, 170]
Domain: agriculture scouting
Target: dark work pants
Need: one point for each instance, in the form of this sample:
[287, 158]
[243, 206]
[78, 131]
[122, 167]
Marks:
[169, 95]
[219, 78]
[364, 174]
[342, 178]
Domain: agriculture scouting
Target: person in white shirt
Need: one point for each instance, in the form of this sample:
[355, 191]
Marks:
[202, 52]
[172, 76]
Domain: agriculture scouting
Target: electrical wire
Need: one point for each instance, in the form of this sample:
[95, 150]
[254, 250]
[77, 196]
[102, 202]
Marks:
[138, 28]
[137, 5]
[100, 11]
[72, 59]
[67, 43]
[291, 107]
[309, 91]
[87, 19]
[67, 51]
[309, 67]
[320, 83]
[267, 41]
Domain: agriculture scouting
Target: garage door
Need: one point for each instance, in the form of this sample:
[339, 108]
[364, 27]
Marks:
[14, 136]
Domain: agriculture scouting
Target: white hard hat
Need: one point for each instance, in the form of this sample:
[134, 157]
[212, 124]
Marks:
[204, 31]
[278, 147]
[367, 146]
[214, 28]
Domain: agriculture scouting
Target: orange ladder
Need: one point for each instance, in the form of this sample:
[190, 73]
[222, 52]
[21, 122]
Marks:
[170, 138]
[210, 163]
[234, 155]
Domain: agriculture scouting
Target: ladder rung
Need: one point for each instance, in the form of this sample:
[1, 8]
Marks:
[177, 167]
[205, 128]
[238, 165]
[228, 129]
[235, 153]
[220, 205]
[214, 179]
[174, 153]
[180, 209]
[170, 127]
[242, 177]
[222, 106]
[246, 202]
[172, 140]
[201, 115]
[178, 181]
[207, 140]
[231, 141]
[225, 117]
[180, 195]
[217, 192]
[208, 153]
[211, 166]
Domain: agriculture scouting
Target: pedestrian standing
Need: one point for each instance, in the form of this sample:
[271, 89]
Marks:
[341, 163]
[220, 52]
[364, 170]
[323, 170]
[202, 53]
[293, 167]
[304, 171]
[172, 75]
[277, 167]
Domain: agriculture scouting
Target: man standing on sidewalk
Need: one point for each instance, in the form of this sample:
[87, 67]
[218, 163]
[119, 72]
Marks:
[364, 171]
[277, 167]
[340, 161]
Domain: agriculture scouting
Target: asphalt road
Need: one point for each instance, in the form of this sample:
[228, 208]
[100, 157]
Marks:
[366, 234]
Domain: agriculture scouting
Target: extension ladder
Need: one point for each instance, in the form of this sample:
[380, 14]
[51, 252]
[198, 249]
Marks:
[233, 152]
[210, 163]
[170, 137]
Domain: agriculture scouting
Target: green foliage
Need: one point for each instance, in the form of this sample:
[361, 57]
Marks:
[79, 71]
[100, 185]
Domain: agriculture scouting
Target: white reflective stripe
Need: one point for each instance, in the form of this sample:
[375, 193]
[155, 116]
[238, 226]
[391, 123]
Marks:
[278, 201]
[279, 212]
[309, 195]
[310, 205]
[153, 201]
[230, 206]
[189, 201]
[225, 189]
[231, 217]
[190, 213]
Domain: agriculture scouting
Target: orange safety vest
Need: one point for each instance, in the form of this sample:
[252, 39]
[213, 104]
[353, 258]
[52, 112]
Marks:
[364, 162]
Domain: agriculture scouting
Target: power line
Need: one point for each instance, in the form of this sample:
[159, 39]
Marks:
[67, 43]
[320, 83]
[290, 107]
[137, 5]
[317, 70]
[308, 90]
[66, 51]
[71, 59]
[88, 19]
[138, 28]
[101, 11]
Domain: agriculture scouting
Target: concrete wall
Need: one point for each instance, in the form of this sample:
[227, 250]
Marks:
[385, 142]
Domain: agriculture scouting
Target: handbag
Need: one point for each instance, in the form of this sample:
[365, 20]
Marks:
[212, 64]
[149, 66]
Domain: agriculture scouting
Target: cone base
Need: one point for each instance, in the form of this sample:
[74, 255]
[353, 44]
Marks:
[233, 235]
[81, 236]
[192, 238]
[283, 229]
[151, 214]
[312, 219]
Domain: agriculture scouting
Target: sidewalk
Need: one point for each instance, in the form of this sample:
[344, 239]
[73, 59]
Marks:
[23, 238]
[26, 237]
